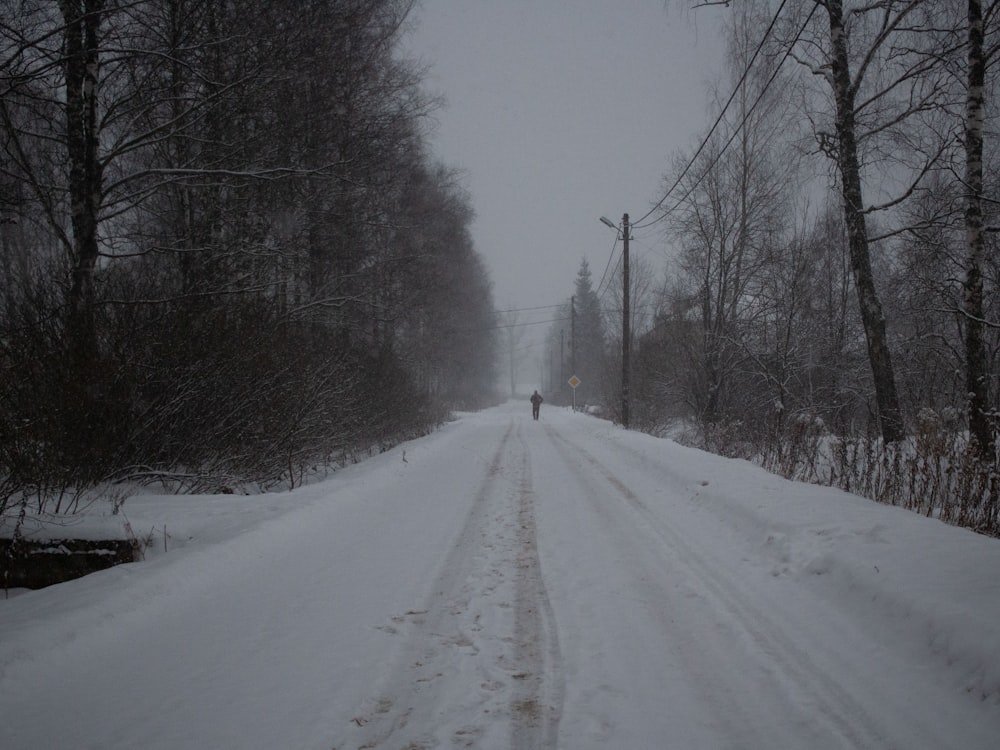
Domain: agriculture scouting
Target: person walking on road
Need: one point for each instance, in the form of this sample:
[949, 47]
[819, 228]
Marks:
[536, 404]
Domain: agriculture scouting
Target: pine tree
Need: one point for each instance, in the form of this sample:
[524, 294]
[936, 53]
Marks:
[589, 337]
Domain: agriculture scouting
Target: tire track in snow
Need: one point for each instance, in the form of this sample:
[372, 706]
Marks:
[537, 700]
[682, 648]
[474, 665]
[790, 662]
[401, 713]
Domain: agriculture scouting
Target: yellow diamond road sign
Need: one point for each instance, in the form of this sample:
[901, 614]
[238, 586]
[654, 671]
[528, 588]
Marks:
[574, 381]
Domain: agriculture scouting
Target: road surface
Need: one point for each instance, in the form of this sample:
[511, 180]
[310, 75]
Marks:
[504, 584]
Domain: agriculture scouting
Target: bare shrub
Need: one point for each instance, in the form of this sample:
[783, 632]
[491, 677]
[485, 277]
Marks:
[933, 472]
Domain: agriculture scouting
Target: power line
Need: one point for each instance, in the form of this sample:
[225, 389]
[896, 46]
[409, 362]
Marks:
[605, 274]
[484, 329]
[518, 325]
[718, 120]
[526, 309]
[614, 272]
[736, 131]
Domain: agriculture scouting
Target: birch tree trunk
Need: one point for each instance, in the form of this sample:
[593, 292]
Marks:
[887, 400]
[82, 19]
[976, 366]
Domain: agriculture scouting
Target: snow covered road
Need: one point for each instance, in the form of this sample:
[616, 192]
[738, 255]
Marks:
[699, 647]
[506, 583]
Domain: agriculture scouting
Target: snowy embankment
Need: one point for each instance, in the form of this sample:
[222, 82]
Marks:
[915, 578]
[509, 583]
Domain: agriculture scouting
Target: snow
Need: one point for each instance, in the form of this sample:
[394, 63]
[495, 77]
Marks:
[505, 583]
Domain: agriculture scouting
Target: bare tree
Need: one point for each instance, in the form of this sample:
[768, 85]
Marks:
[256, 261]
[511, 334]
[846, 86]
[880, 64]
[976, 362]
[82, 43]
[731, 213]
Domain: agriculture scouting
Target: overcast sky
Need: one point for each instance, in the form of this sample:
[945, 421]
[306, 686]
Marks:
[559, 112]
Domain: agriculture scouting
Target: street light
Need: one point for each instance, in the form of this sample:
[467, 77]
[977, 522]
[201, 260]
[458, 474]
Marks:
[625, 317]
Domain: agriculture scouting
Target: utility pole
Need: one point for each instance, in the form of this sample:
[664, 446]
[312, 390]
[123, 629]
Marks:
[626, 317]
[572, 335]
[513, 378]
[552, 368]
[625, 324]
[562, 358]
